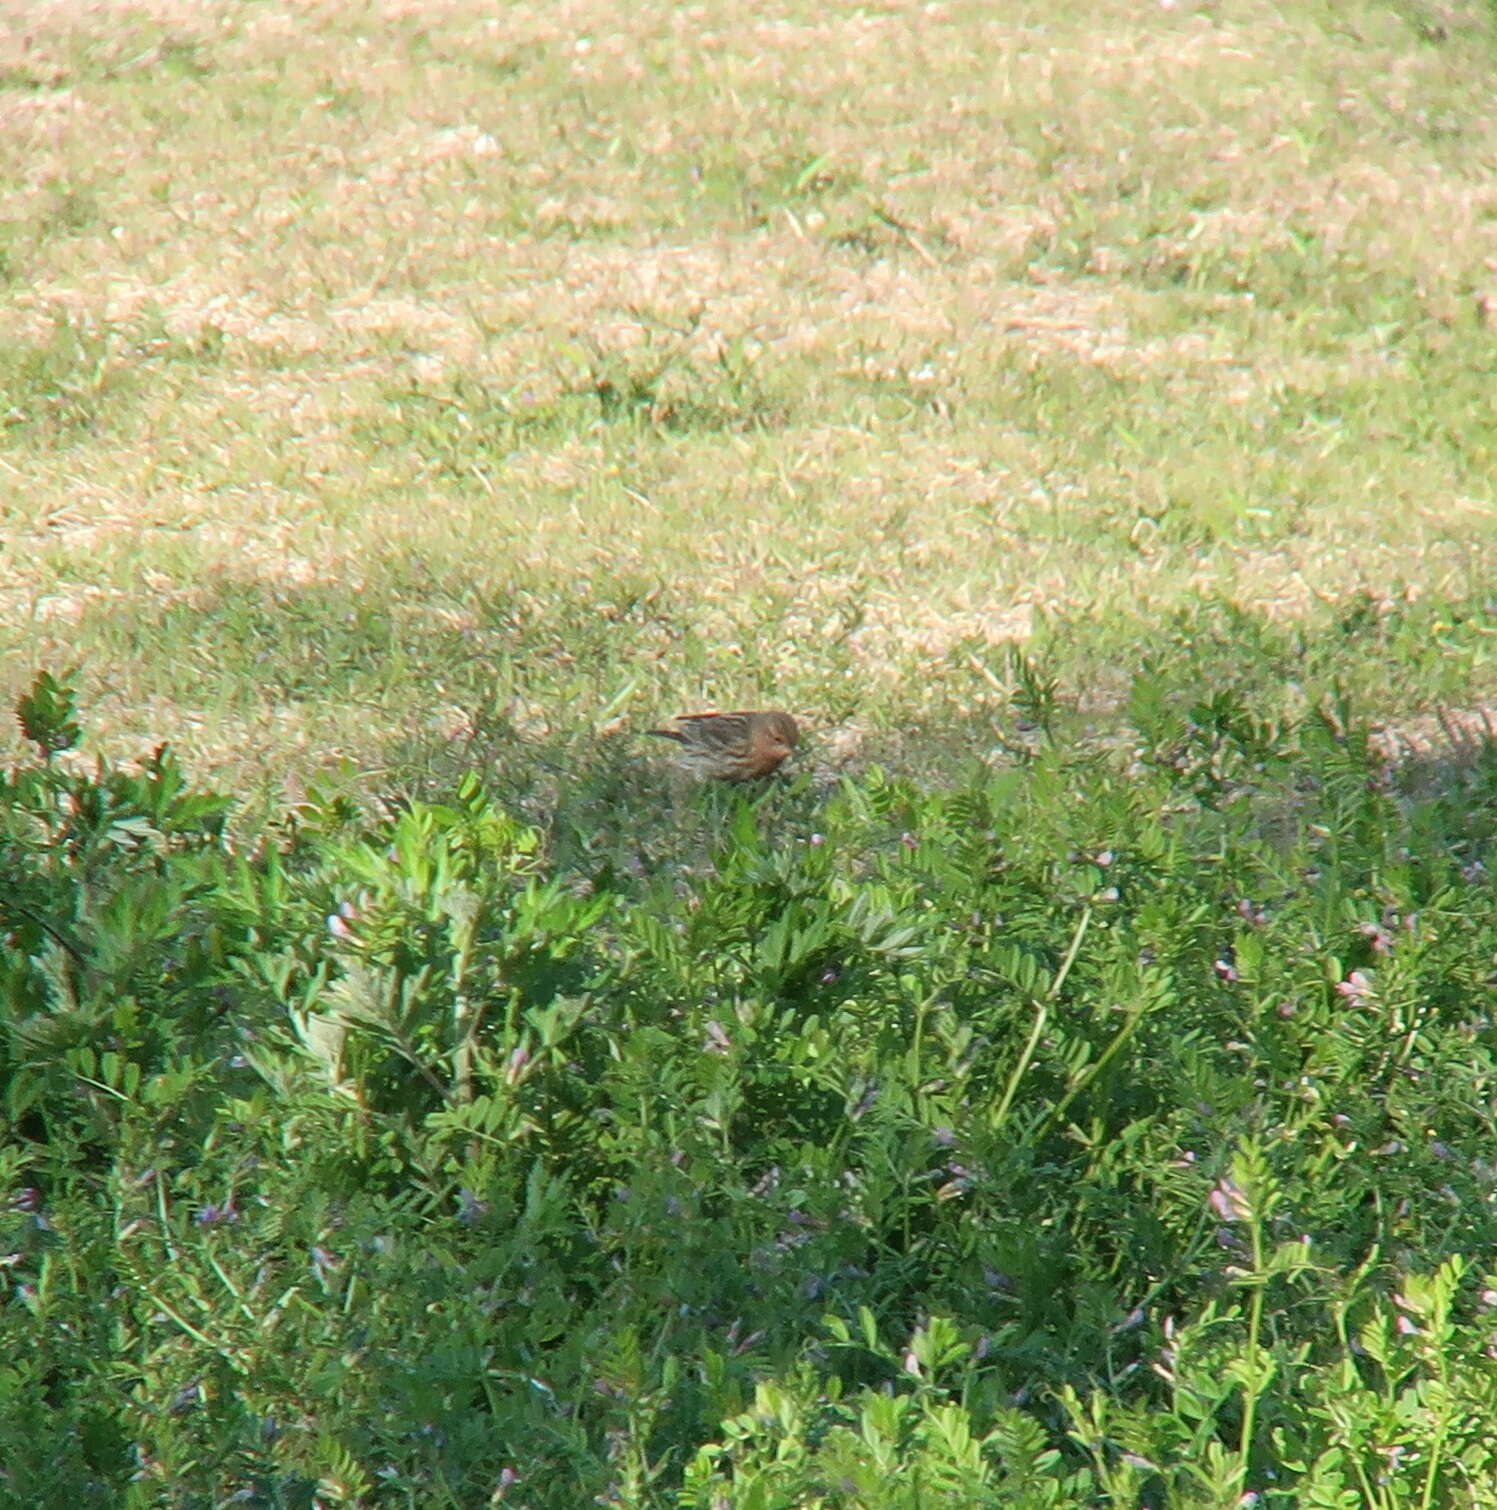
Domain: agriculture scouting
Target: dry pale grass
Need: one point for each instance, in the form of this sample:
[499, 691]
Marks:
[931, 322]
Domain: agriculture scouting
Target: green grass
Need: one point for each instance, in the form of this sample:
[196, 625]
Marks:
[1134, 316]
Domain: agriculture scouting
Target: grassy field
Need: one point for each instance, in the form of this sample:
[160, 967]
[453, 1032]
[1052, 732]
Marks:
[1076, 1086]
[428, 386]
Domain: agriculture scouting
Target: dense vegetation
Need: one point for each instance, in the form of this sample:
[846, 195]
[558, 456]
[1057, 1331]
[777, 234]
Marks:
[1114, 1128]
[1072, 1084]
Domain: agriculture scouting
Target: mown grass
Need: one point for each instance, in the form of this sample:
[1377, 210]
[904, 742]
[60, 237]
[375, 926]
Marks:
[851, 337]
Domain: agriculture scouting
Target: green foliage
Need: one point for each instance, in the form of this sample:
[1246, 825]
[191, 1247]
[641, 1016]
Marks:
[1103, 1130]
[60, 388]
[45, 714]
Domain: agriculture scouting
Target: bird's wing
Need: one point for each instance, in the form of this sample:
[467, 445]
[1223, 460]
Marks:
[714, 728]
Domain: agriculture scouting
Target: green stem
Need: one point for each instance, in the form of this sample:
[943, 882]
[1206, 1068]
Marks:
[1042, 1012]
[1255, 1326]
[1071, 953]
[1041, 1016]
[1091, 1071]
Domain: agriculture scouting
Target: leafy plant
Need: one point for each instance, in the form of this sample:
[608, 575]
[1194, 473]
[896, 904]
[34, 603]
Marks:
[1088, 1130]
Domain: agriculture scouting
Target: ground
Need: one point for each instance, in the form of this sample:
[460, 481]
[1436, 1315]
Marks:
[386, 382]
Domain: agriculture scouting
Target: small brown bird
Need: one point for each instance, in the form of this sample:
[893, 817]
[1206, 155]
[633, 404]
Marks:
[732, 746]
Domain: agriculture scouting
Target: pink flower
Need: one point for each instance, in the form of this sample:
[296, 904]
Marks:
[1357, 988]
[1228, 1202]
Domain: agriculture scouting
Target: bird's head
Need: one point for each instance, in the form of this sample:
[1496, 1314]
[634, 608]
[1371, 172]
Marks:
[781, 733]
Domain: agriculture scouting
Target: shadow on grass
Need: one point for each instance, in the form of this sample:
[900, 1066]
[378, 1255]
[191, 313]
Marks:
[545, 693]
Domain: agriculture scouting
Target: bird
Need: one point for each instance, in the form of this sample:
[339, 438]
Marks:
[732, 746]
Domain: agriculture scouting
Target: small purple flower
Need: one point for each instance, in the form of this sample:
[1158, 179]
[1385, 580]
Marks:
[1228, 1201]
[768, 1182]
[817, 840]
[740, 1348]
[1406, 1327]
[212, 1216]
[470, 1208]
[1225, 969]
[1377, 936]
[1356, 988]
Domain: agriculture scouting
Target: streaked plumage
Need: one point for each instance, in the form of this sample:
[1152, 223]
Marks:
[732, 746]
